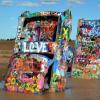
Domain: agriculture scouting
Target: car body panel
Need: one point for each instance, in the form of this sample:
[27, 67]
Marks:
[38, 54]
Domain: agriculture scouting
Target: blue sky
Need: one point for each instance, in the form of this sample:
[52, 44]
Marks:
[11, 9]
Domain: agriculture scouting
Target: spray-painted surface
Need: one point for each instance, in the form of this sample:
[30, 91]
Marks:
[88, 50]
[41, 42]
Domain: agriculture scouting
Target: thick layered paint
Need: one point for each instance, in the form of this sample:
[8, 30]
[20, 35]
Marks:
[41, 53]
[88, 50]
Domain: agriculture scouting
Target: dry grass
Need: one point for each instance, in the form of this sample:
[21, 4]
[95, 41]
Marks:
[6, 45]
[6, 48]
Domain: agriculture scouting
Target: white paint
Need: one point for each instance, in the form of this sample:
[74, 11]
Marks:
[34, 47]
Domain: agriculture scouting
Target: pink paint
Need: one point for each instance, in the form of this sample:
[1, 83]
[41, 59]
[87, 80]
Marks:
[12, 88]
[9, 79]
[20, 89]
[24, 80]
[40, 83]
[30, 80]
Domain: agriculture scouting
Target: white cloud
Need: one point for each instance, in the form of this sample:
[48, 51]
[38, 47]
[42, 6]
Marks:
[76, 1]
[6, 3]
[49, 1]
[27, 4]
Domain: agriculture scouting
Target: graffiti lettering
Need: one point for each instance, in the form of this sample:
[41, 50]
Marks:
[34, 47]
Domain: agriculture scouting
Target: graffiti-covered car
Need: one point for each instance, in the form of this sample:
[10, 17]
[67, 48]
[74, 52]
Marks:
[39, 62]
[88, 50]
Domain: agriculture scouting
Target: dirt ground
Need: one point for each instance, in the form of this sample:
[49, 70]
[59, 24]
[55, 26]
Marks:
[77, 89]
[6, 48]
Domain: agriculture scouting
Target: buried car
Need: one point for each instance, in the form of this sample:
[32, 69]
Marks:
[38, 62]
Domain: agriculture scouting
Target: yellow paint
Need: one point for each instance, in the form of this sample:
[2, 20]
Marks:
[65, 30]
[37, 89]
[13, 81]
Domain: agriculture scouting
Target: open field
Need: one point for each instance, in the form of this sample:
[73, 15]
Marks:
[6, 45]
[6, 48]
